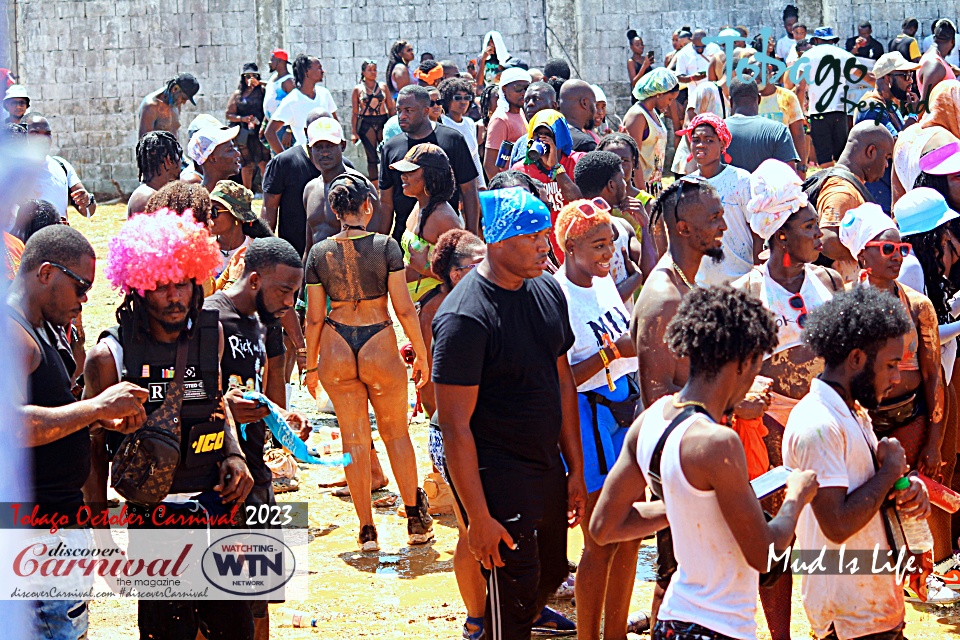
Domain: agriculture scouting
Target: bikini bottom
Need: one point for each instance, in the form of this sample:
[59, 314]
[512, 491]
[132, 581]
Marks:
[356, 337]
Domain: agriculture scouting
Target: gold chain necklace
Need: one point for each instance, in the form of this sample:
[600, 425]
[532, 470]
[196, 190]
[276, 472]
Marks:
[679, 271]
[687, 403]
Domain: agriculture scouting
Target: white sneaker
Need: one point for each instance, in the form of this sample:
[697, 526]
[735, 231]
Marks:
[937, 593]
[948, 572]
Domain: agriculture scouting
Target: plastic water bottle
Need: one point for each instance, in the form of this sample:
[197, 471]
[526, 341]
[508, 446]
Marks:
[295, 618]
[917, 532]
[328, 442]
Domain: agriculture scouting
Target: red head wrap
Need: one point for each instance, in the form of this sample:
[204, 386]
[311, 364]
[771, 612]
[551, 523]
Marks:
[715, 121]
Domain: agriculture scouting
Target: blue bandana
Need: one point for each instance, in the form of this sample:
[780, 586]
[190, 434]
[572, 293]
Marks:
[512, 212]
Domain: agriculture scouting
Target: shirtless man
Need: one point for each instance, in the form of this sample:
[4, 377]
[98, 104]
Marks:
[158, 163]
[693, 215]
[160, 110]
[325, 143]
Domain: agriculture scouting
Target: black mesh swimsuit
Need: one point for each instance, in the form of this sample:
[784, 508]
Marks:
[370, 123]
[355, 269]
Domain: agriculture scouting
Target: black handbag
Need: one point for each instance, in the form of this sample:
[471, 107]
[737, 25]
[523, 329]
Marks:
[147, 459]
[767, 579]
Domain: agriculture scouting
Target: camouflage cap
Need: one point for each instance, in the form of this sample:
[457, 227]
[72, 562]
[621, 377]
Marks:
[236, 198]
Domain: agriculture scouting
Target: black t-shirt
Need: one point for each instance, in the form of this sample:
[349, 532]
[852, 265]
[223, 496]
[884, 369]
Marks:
[582, 141]
[507, 343]
[246, 348]
[872, 50]
[448, 139]
[287, 174]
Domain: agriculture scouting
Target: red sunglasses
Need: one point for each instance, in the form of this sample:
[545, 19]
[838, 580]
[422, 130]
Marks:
[889, 248]
[590, 208]
[796, 302]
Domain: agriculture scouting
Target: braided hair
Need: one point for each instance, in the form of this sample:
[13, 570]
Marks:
[486, 98]
[347, 194]
[667, 205]
[155, 149]
[928, 248]
[180, 197]
[301, 65]
[439, 184]
[396, 57]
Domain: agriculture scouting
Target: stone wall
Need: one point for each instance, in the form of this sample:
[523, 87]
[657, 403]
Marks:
[88, 63]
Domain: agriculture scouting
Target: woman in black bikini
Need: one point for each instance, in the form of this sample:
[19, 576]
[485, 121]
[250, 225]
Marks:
[372, 106]
[245, 108]
[361, 360]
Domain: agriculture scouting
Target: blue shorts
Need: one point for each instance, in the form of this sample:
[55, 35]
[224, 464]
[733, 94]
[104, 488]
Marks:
[60, 619]
[602, 438]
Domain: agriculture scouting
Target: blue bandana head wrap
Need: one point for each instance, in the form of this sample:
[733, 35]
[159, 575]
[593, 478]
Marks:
[512, 212]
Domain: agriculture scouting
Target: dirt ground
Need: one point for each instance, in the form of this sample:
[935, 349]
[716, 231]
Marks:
[400, 592]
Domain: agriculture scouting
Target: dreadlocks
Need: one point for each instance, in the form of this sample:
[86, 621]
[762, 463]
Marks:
[155, 149]
[486, 97]
[301, 65]
[134, 307]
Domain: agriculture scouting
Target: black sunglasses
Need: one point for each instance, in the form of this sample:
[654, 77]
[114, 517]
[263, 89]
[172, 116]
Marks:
[84, 285]
[435, 103]
[462, 98]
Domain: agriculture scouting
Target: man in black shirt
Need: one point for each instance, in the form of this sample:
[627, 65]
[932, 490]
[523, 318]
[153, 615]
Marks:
[284, 180]
[56, 271]
[864, 45]
[413, 105]
[253, 353]
[507, 408]
[906, 43]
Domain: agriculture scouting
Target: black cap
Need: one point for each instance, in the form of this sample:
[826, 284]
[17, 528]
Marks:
[518, 63]
[250, 67]
[188, 84]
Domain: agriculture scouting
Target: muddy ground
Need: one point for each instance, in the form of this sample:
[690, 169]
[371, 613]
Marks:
[400, 592]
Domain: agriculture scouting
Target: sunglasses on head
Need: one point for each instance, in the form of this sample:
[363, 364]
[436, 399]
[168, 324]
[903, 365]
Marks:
[796, 302]
[889, 248]
[591, 208]
[83, 285]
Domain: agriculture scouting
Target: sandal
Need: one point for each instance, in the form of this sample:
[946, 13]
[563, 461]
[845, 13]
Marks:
[283, 485]
[368, 538]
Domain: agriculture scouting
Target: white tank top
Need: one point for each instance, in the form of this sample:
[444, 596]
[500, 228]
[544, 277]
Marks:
[714, 586]
[653, 150]
[777, 299]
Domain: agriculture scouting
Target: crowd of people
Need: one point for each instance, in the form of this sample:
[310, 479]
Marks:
[747, 273]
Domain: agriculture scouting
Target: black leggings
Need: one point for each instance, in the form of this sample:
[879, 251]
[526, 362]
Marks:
[370, 132]
[180, 620]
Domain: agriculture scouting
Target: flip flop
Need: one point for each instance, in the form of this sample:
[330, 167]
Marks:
[386, 501]
[343, 491]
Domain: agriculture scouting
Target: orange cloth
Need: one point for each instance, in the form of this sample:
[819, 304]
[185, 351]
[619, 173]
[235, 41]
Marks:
[751, 433]
[14, 248]
[944, 104]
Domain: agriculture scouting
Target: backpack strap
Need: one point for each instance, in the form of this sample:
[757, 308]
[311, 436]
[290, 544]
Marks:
[654, 470]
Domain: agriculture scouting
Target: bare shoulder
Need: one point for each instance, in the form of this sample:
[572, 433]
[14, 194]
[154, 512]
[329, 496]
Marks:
[829, 277]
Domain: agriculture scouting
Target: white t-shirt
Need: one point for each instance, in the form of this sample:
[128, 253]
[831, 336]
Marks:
[784, 44]
[733, 184]
[687, 62]
[830, 78]
[468, 129]
[54, 184]
[823, 435]
[293, 110]
[594, 311]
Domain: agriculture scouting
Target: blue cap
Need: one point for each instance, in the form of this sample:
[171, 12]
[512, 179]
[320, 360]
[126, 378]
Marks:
[512, 212]
[921, 210]
[825, 33]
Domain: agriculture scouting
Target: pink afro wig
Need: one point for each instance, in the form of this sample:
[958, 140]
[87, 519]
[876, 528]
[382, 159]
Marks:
[160, 248]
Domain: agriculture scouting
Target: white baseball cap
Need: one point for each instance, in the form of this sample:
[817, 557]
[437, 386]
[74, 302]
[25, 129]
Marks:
[598, 93]
[204, 141]
[326, 129]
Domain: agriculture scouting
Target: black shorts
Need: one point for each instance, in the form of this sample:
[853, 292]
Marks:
[676, 630]
[829, 133]
[178, 619]
[532, 506]
[259, 495]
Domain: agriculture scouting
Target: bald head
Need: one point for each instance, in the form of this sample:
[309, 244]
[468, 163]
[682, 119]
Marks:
[869, 147]
[578, 103]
